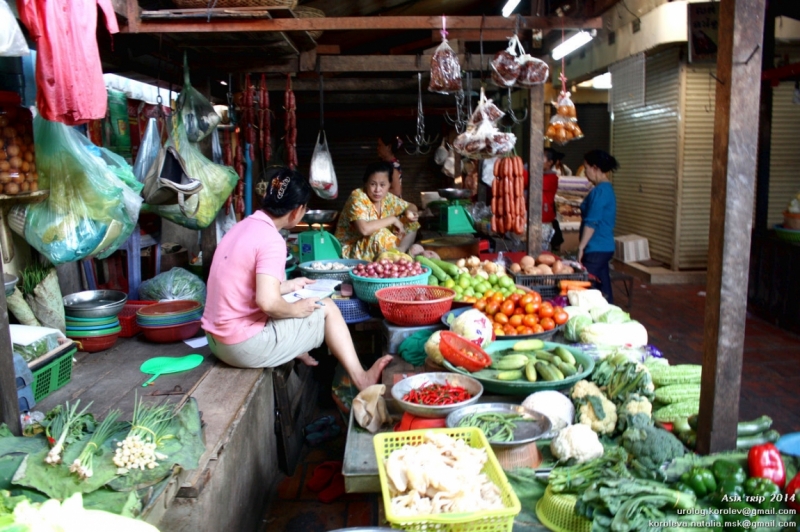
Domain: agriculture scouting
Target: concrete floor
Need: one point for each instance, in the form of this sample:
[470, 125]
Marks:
[673, 316]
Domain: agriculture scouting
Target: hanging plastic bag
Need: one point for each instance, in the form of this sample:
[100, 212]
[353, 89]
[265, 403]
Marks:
[440, 155]
[148, 150]
[12, 42]
[486, 110]
[482, 139]
[565, 107]
[197, 113]
[217, 180]
[89, 210]
[532, 71]
[322, 175]
[562, 130]
[174, 284]
[445, 70]
[505, 64]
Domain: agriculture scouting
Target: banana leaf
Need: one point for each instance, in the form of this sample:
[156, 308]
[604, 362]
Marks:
[13, 451]
[125, 503]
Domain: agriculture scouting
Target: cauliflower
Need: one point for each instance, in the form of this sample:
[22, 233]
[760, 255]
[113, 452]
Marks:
[634, 404]
[594, 408]
[576, 441]
[432, 348]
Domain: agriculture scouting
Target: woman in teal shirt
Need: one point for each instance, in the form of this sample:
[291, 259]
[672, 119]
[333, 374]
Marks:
[598, 213]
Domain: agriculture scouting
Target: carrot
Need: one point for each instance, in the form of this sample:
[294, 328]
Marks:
[569, 284]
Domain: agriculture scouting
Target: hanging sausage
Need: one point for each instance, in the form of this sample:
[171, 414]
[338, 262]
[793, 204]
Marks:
[291, 125]
[264, 120]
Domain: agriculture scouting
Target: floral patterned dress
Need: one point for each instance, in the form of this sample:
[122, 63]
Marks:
[360, 207]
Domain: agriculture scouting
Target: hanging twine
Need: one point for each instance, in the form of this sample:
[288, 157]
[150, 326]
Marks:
[563, 77]
[444, 27]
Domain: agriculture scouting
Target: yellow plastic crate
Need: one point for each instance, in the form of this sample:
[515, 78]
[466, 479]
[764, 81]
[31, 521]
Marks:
[483, 521]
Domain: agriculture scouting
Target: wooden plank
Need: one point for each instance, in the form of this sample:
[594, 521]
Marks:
[227, 23]
[9, 402]
[328, 49]
[741, 27]
[765, 123]
[535, 168]
[473, 35]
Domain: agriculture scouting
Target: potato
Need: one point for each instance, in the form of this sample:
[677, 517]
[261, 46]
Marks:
[12, 189]
[24, 186]
[545, 269]
[533, 270]
[34, 186]
[527, 261]
[546, 258]
[565, 270]
[557, 266]
[415, 250]
[516, 268]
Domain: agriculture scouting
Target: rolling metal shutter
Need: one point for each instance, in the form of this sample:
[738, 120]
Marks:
[784, 175]
[694, 200]
[595, 122]
[645, 142]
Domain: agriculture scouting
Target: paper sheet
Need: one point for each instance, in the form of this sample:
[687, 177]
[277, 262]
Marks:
[322, 288]
[196, 342]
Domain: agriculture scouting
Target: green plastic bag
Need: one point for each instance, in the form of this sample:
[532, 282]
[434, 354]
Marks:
[90, 211]
[218, 182]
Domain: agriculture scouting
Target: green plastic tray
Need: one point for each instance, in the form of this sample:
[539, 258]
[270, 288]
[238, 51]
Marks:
[96, 332]
[520, 387]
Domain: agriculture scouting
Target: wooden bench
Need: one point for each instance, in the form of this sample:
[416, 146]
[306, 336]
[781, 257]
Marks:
[627, 284]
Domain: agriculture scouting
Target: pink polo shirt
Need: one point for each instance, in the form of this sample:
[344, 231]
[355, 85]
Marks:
[252, 246]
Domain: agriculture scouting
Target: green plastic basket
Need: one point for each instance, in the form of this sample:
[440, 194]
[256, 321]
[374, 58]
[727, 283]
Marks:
[787, 235]
[365, 287]
[556, 511]
[52, 375]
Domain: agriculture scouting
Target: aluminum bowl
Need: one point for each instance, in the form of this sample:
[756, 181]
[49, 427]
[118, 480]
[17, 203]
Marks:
[10, 282]
[320, 217]
[399, 390]
[538, 427]
[94, 303]
[455, 193]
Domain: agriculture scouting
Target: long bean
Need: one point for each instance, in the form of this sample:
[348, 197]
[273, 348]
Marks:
[497, 427]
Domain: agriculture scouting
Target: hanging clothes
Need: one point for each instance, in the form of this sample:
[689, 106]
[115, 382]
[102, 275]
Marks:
[69, 76]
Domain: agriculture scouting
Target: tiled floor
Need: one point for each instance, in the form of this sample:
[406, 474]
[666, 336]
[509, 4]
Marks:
[673, 316]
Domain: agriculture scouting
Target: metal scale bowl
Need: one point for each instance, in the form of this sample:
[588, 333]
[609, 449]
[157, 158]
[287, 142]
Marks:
[454, 219]
[317, 243]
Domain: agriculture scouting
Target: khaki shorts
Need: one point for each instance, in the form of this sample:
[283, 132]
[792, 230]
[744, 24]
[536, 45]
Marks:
[277, 343]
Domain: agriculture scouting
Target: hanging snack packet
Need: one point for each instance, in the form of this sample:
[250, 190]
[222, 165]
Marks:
[505, 65]
[565, 107]
[562, 130]
[445, 70]
[486, 110]
[532, 71]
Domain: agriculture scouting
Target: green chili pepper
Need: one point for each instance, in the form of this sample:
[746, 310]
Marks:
[701, 480]
[725, 470]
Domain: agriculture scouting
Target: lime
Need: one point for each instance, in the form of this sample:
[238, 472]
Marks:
[466, 276]
[483, 287]
[476, 280]
[458, 289]
[464, 282]
[449, 283]
[469, 292]
[493, 279]
[458, 297]
[520, 291]
[505, 282]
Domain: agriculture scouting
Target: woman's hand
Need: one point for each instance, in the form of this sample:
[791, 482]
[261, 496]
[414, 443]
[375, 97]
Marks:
[398, 224]
[411, 216]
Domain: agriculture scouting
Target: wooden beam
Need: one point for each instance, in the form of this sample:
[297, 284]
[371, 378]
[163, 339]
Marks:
[741, 28]
[761, 225]
[328, 49]
[473, 35]
[535, 168]
[9, 402]
[397, 23]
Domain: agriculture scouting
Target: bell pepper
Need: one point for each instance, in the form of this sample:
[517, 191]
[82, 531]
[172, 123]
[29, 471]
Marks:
[683, 488]
[701, 480]
[727, 470]
[793, 493]
[764, 461]
[728, 491]
[762, 493]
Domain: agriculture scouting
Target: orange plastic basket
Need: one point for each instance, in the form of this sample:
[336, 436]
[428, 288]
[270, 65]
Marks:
[415, 305]
[127, 318]
[452, 346]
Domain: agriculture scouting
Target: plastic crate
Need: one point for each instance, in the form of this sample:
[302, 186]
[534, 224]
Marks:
[127, 318]
[353, 310]
[501, 520]
[400, 304]
[536, 282]
[52, 375]
[365, 287]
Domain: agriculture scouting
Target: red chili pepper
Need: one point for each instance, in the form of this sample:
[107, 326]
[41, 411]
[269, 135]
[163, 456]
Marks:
[793, 493]
[437, 395]
[764, 461]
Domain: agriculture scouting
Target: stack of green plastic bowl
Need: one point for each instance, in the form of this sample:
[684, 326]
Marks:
[93, 334]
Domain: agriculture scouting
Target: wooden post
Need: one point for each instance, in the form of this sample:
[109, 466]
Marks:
[9, 402]
[765, 125]
[535, 168]
[741, 25]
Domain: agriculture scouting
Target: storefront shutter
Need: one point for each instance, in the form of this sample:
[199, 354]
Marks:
[784, 178]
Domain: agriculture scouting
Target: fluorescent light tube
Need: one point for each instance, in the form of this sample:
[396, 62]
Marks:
[510, 6]
[571, 44]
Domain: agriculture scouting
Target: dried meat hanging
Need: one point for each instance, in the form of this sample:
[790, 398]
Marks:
[445, 70]
[290, 126]
[563, 126]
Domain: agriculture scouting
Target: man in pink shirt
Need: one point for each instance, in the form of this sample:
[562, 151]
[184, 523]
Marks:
[246, 319]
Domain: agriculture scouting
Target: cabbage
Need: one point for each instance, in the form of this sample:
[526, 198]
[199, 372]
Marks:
[572, 332]
[615, 315]
[556, 406]
[474, 326]
[176, 283]
[575, 311]
[587, 298]
[432, 348]
[598, 310]
[631, 333]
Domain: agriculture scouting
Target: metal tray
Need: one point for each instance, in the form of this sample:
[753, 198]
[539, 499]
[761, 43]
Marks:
[525, 432]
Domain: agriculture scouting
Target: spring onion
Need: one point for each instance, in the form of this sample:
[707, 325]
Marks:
[148, 429]
[82, 465]
[65, 420]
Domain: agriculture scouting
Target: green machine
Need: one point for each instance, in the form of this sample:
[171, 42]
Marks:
[317, 243]
[454, 218]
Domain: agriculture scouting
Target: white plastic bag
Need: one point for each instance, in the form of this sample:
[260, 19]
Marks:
[12, 42]
[148, 150]
[322, 175]
[440, 156]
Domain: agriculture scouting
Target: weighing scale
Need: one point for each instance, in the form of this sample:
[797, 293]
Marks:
[454, 219]
[318, 244]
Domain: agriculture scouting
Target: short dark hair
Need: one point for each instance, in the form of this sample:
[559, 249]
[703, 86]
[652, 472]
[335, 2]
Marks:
[286, 191]
[604, 161]
[381, 167]
[552, 155]
[393, 141]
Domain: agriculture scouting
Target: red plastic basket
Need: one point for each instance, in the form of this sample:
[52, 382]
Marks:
[93, 344]
[127, 318]
[452, 345]
[415, 305]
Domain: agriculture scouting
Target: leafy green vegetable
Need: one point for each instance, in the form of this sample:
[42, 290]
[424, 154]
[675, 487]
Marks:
[32, 276]
[177, 283]
[576, 478]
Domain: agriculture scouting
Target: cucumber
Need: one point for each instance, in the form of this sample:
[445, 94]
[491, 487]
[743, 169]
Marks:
[745, 442]
[567, 369]
[433, 281]
[530, 371]
[436, 271]
[545, 355]
[448, 267]
[564, 354]
[510, 362]
[548, 371]
[529, 345]
[756, 426]
[512, 375]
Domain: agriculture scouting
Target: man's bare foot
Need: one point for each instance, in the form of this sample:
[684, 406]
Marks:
[308, 360]
[373, 374]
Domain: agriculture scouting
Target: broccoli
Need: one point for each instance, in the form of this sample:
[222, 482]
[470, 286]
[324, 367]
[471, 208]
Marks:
[634, 404]
[649, 446]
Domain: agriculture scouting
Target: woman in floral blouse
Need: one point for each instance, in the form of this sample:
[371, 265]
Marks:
[375, 220]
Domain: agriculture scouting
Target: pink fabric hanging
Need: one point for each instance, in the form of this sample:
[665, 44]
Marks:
[69, 76]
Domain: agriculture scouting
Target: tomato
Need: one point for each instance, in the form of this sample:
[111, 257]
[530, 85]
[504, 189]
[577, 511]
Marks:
[519, 311]
[537, 297]
[527, 330]
[497, 297]
[509, 330]
[546, 310]
[524, 300]
[498, 331]
[514, 297]
[532, 308]
[488, 294]
[521, 329]
[492, 307]
[501, 318]
[560, 317]
[515, 320]
[529, 320]
[537, 329]
[547, 324]
[480, 304]
[507, 307]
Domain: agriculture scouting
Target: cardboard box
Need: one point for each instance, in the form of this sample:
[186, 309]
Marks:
[631, 248]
